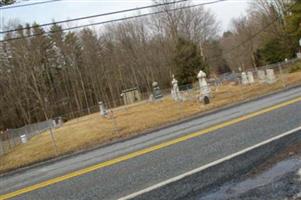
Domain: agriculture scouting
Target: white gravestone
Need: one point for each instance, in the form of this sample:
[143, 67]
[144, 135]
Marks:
[270, 78]
[261, 76]
[23, 139]
[173, 95]
[54, 123]
[244, 78]
[205, 90]
[175, 92]
[151, 98]
[103, 110]
[250, 77]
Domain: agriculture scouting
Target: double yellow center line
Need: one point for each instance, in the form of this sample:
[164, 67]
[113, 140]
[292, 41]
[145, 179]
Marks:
[146, 150]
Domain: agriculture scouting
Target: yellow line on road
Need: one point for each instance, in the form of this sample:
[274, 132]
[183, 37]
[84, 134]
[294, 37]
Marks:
[145, 151]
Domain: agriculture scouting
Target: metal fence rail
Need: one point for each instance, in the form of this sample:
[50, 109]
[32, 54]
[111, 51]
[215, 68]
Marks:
[13, 137]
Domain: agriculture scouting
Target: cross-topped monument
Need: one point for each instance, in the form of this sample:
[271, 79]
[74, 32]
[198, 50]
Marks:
[175, 92]
[204, 88]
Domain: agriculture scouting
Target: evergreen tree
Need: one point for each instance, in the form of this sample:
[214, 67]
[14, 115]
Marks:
[286, 46]
[293, 28]
[274, 51]
[187, 61]
[6, 2]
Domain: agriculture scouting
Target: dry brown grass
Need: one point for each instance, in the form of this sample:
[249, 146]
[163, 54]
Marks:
[92, 130]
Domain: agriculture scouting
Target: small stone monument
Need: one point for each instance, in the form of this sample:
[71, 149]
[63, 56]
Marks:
[157, 94]
[151, 98]
[173, 95]
[261, 76]
[270, 78]
[23, 139]
[204, 88]
[244, 78]
[102, 108]
[58, 122]
[175, 92]
[250, 77]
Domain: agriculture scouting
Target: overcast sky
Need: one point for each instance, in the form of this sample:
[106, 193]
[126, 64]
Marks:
[66, 9]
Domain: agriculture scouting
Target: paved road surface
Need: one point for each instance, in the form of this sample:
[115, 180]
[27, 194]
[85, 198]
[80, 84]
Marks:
[132, 175]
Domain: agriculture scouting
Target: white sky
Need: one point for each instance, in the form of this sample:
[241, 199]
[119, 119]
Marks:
[67, 9]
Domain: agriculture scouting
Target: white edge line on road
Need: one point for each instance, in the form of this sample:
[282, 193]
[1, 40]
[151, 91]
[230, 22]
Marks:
[177, 178]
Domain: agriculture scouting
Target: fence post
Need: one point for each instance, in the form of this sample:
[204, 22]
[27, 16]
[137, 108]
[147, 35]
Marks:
[9, 140]
[240, 85]
[2, 147]
[114, 122]
[53, 141]
[281, 75]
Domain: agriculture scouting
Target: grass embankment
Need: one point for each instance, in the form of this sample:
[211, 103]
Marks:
[92, 130]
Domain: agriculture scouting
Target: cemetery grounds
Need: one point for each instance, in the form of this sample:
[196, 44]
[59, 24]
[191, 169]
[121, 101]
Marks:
[124, 122]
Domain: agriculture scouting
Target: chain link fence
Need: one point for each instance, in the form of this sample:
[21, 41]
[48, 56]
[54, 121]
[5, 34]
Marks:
[11, 138]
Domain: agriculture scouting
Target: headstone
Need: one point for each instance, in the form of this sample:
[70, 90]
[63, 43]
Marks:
[58, 122]
[157, 94]
[173, 96]
[102, 108]
[54, 123]
[250, 77]
[261, 76]
[202, 79]
[204, 88]
[244, 78]
[270, 78]
[175, 92]
[151, 98]
[23, 139]
[299, 55]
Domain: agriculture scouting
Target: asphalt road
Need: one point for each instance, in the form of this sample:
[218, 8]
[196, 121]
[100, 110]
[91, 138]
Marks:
[129, 176]
[278, 178]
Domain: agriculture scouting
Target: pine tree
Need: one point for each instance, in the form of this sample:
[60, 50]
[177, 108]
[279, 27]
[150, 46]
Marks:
[6, 2]
[293, 28]
[286, 45]
[187, 61]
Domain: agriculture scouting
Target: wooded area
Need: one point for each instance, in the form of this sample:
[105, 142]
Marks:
[49, 75]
